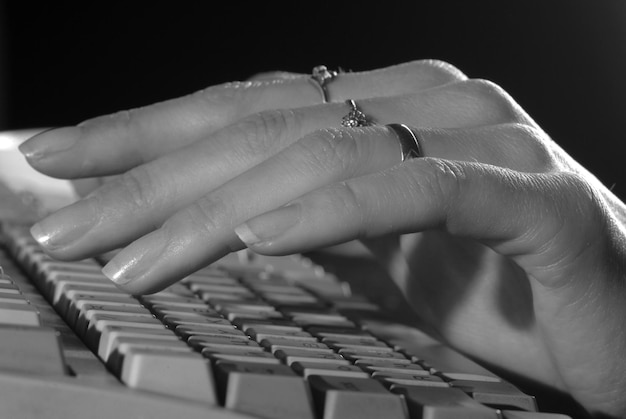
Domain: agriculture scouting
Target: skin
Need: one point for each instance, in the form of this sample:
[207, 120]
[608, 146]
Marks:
[504, 245]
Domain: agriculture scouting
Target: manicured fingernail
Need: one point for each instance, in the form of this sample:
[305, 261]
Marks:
[65, 226]
[269, 226]
[136, 260]
[49, 142]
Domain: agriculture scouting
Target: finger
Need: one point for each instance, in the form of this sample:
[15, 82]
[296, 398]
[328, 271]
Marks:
[274, 75]
[140, 200]
[114, 143]
[206, 227]
[536, 219]
[516, 146]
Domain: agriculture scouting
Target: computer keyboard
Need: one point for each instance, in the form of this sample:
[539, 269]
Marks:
[248, 336]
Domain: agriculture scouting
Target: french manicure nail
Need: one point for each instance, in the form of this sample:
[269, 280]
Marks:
[268, 226]
[49, 142]
[65, 226]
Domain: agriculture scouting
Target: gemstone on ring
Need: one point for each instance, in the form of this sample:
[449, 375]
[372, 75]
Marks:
[355, 118]
[321, 76]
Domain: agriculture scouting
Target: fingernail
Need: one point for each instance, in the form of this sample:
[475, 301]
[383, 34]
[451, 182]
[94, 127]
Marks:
[49, 142]
[269, 226]
[66, 225]
[132, 263]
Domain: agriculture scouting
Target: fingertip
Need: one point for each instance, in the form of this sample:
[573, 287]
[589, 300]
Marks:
[266, 228]
[246, 235]
[50, 141]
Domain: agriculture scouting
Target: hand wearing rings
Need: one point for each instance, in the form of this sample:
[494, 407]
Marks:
[502, 244]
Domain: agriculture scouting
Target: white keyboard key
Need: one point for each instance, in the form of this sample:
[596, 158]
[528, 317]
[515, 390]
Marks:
[100, 322]
[266, 390]
[307, 369]
[19, 314]
[185, 375]
[111, 336]
[355, 398]
[518, 414]
[418, 379]
[34, 350]
[494, 393]
[443, 403]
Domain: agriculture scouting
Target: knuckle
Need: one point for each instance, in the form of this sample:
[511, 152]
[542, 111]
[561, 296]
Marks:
[122, 118]
[493, 100]
[328, 150]
[442, 181]
[272, 76]
[120, 121]
[533, 144]
[208, 214]
[578, 217]
[137, 186]
[585, 201]
[263, 132]
[442, 69]
[446, 178]
[344, 195]
[236, 98]
[486, 88]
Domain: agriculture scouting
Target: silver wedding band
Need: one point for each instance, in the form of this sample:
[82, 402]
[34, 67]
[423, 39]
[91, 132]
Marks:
[410, 147]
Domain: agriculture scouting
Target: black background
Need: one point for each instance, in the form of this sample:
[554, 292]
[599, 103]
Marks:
[564, 61]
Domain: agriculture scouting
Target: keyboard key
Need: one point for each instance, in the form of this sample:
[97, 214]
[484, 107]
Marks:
[355, 398]
[272, 391]
[221, 342]
[449, 376]
[307, 369]
[518, 414]
[90, 310]
[240, 355]
[123, 345]
[186, 375]
[443, 403]
[260, 335]
[110, 336]
[336, 331]
[32, 350]
[500, 394]
[187, 331]
[418, 379]
[398, 366]
[291, 355]
[19, 314]
[99, 322]
[273, 344]
[371, 354]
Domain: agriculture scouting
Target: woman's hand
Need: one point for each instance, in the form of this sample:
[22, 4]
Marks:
[510, 250]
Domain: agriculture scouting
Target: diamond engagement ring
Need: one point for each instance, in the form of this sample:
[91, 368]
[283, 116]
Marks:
[355, 118]
[320, 77]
